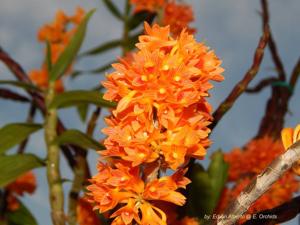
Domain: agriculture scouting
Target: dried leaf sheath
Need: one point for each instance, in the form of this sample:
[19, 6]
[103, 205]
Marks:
[260, 185]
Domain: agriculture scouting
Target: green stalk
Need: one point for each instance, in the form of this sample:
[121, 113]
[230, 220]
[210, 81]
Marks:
[56, 194]
[125, 29]
[80, 172]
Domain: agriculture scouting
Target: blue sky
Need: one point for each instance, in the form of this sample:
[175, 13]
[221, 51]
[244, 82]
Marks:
[232, 28]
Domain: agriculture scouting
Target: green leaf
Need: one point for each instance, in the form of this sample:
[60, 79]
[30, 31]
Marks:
[70, 52]
[75, 98]
[101, 69]
[138, 18]
[12, 166]
[82, 110]
[48, 56]
[113, 9]
[22, 216]
[20, 84]
[14, 133]
[102, 48]
[207, 186]
[76, 137]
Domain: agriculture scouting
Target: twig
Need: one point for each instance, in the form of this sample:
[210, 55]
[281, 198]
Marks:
[261, 85]
[279, 214]
[295, 74]
[243, 84]
[272, 45]
[31, 114]
[8, 94]
[80, 171]
[260, 185]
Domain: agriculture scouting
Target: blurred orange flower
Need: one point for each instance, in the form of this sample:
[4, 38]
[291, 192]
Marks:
[23, 184]
[178, 16]
[147, 5]
[58, 34]
[85, 213]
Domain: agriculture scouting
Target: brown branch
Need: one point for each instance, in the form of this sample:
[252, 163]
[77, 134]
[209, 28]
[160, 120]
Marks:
[272, 45]
[243, 84]
[37, 98]
[260, 185]
[261, 85]
[279, 214]
[8, 94]
[295, 74]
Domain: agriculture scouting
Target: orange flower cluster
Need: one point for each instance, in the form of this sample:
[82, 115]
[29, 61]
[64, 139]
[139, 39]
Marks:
[23, 184]
[85, 213]
[160, 122]
[147, 5]
[290, 136]
[247, 163]
[58, 34]
[177, 15]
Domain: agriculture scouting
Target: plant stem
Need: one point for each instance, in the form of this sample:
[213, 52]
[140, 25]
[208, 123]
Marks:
[125, 28]
[53, 173]
[260, 185]
[80, 172]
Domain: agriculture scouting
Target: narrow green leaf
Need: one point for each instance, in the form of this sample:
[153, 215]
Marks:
[70, 52]
[20, 84]
[21, 216]
[138, 19]
[94, 71]
[12, 166]
[102, 48]
[76, 137]
[75, 98]
[113, 9]
[48, 56]
[82, 110]
[14, 133]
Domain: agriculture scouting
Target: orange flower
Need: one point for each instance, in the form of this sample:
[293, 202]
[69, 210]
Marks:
[253, 158]
[289, 136]
[164, 88]
[85, 213]
[23, 184]
[178, 16]
[58, 34]
[147, 5]
[122, 185]
[160, 122]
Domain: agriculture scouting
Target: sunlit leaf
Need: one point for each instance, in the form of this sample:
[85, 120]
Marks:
[76, 137]
[70, 52]
[75, 98]
[12, 166]
[14, 133]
